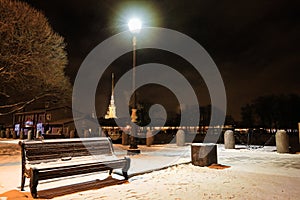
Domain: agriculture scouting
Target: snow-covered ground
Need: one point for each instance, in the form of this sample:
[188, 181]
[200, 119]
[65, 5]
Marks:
[253, 174]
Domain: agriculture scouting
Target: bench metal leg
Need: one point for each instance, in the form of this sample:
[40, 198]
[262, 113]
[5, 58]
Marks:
[23, 182]
[110, 172]
[126, 168]
[34, 181]
[125, 174]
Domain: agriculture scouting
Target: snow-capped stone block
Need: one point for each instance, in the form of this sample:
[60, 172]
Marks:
[204, 154]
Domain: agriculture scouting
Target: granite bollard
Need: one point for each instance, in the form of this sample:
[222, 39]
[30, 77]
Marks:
[29, 135]
[7, 133]
[282, 141]
[14, 134]
[2, 134]
[149, 138]
[72, 134]
[180, 138]
[21, 134]
[229, 140]
[86, 133]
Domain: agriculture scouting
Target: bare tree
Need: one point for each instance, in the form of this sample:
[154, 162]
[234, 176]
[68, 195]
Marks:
[32, 59]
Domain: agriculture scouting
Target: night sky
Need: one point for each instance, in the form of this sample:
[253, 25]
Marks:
[254, 43]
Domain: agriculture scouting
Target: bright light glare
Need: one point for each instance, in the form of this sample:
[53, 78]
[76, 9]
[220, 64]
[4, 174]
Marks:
[135, 25]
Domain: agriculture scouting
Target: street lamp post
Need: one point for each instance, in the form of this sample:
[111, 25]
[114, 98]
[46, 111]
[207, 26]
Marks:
[135, 26]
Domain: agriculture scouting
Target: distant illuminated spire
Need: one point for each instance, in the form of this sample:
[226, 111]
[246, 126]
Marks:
[111, 112]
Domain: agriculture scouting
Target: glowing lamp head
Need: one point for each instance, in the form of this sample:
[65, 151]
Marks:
[135, 25]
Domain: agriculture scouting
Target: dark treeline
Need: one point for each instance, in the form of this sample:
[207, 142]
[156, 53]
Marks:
[272, 111]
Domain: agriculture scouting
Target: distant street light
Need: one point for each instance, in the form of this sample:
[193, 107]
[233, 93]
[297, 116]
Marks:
[134, 26]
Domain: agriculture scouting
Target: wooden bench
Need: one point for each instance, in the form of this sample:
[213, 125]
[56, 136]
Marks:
[47, 159]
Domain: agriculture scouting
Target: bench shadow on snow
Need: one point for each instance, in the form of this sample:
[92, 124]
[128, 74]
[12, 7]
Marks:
[79, 187]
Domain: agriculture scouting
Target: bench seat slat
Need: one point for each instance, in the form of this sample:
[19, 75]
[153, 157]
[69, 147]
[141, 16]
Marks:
[64, 148]
[41, 158]
[98, 151]
[55, 146]
[73, 161]
[78, 144]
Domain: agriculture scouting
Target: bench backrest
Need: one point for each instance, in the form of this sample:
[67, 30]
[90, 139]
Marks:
[54, 149]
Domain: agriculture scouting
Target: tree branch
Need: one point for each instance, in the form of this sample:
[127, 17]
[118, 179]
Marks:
[21, 105]
[4, 94]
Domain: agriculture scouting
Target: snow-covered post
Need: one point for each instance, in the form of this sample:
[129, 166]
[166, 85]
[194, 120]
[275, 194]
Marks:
[204, 154]
[282, 141]
[180, 138]
[149, 138]
[229, 140]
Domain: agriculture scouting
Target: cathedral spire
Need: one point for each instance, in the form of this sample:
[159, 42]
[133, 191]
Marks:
[111, 112]
[112, 84]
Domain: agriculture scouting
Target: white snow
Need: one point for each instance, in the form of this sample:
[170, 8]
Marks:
[254, 173]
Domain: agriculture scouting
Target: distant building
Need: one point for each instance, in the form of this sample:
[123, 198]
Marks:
[53, 120]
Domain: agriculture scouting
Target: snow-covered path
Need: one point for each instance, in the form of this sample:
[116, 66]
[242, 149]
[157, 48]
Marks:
[253, 174]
